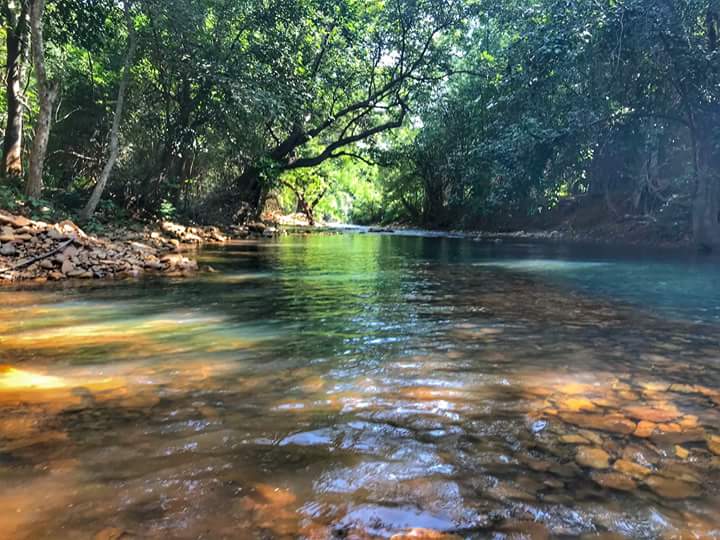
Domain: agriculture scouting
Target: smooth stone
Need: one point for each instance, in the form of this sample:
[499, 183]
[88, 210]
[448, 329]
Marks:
[635, 470]
[684, 389]
[707, 392]
[566, 470]
[67, 266]
[110, 533]
[70, 251]
[15, 221]
[576, 404]
[8, 250]
[681, 452]
[651, 414]
[594, 458]
[554, 483]
[614, 480]
[574, 388]
[654, 386]
[679, 437]
[680, 471]
[610, 423]
[591, 436]
[537, 464]
[713, 442]
[558, 498]
[54, 234]
[669, 428]
[628, 395]
[644, 455]
[574, 439]
[505, 491]
[672, 489]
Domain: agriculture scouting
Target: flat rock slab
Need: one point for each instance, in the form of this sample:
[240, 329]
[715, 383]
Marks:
[672, 489]
[614, 480]
[680, 437]
[651, 414]
[610, 423]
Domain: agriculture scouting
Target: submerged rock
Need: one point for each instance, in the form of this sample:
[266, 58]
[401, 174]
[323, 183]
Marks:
[713, 442]
[610, 423]
[678, 436]
[614, 480]
[111, 533]
[594, 458]
[672, 489]
[653, 414]
[645, 429]
[634, 470]
[574, 439]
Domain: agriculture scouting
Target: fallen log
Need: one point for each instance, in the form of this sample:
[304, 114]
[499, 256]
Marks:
[28, 262]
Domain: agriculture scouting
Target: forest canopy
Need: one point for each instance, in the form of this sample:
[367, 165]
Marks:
[441, 113]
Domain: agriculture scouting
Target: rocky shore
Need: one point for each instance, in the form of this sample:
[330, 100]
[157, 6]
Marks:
[37, 251]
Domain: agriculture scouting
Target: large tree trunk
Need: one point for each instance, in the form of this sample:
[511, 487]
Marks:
[17, 57]
[48, 91]
[706, 204]
[92, 203]
[250, 190]
[307, 209]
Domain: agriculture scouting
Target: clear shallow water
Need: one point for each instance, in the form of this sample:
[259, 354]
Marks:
[360, 386]
[687, 287]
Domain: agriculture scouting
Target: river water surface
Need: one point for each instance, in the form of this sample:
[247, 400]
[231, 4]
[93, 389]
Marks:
[361, 387]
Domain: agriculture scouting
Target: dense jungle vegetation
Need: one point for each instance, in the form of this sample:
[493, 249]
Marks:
[443, 113]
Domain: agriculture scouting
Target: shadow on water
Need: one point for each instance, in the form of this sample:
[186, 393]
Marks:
[362, 386]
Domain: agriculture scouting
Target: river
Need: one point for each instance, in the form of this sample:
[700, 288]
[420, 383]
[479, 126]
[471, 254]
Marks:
[360, 386]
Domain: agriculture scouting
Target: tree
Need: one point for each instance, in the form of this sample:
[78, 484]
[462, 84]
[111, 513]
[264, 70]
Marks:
[355, 79]
[309, 187]
[92, 203]
[618, 101]
[16, 18]
[48, 92]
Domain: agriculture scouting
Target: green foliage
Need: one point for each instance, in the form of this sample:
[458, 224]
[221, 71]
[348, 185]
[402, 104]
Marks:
[479, 113]
[10, 197]
[167, 210]
[562, 99]
[340, 190]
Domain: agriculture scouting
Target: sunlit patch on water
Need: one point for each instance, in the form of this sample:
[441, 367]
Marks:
[355, 387]
[541, 265]
[14, 379]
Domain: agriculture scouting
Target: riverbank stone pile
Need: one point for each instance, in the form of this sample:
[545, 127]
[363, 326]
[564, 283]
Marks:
[37, 251]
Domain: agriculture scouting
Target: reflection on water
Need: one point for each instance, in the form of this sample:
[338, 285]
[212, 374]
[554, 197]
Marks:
[362, 387]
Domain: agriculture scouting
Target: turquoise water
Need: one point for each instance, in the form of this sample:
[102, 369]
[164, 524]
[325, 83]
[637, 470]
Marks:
[680, 285]
[361, 386]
